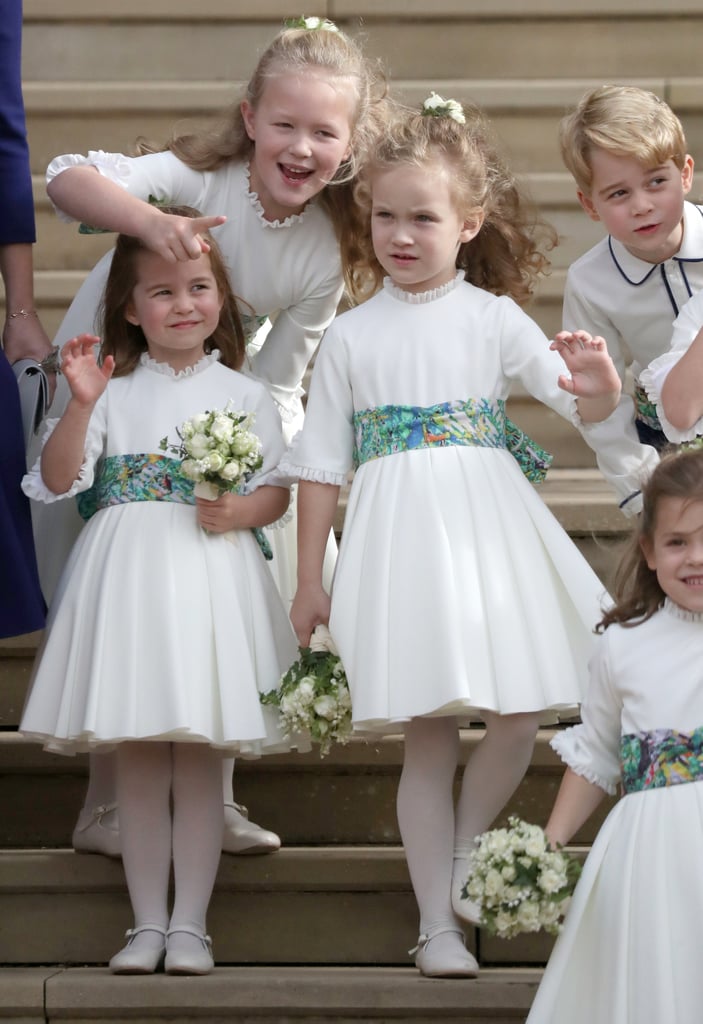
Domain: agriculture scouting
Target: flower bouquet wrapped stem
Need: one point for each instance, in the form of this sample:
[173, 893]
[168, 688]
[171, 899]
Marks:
[518, 881]
[219, 453]
[313, 695]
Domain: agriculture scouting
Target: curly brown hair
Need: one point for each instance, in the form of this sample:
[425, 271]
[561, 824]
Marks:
[636, 590]
[126, 342]
[508, 254]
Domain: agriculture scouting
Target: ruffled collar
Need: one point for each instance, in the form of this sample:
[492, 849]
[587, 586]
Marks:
[681, 613]
[167, 370]
[258, 208]
[419, 298]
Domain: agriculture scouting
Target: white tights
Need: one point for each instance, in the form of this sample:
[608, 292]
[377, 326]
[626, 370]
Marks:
[149, 776]
[437, 838]
[101, 790]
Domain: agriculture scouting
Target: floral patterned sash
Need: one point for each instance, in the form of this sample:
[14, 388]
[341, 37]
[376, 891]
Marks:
[645, 409]
[663, 757]
[123, 478]
[389, 429]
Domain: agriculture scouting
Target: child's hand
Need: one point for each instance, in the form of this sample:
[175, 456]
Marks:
[592, 371]
[84, 376]
[224, 513]
[310, 608]
[177, 238]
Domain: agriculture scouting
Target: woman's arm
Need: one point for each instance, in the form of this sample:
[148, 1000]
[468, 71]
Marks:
[317, 504]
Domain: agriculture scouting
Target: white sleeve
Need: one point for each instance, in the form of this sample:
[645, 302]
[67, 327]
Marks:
[686, 326]
[267, 427]
[622, 459]
[323, 450]
[33, 483]
[295, 335]
[592, 749]
[161, 175]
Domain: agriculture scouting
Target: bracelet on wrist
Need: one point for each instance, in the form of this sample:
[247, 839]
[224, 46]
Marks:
[21, 312]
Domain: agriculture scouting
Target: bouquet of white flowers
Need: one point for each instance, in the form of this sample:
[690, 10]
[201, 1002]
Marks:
[313, 695]
[519, 882]
[217, 448]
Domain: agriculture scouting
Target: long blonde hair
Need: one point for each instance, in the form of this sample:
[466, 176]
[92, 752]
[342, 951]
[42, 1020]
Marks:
[506, 256]
[295, 51]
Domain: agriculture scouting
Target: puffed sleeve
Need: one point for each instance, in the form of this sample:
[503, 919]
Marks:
[33, 484]
[323, 451]
[686, 327]
[592, 749]
[161, 175]
[622, 459]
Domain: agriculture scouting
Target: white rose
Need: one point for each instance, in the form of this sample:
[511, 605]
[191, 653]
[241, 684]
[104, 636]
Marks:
[306, 690]
[213, 462]
[198, 445]
[505, 925]
[494, 883]
[199, 422]
[325, 707]
[231, 470]
[191, 469]
[222, 428]
[551, 881]
[244, 444]
[187, 430]
[528, 916]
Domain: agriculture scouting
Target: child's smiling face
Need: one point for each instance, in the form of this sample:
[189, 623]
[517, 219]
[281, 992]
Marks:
[675, 551]
[415, 225]
[640, 206]
[301, 129]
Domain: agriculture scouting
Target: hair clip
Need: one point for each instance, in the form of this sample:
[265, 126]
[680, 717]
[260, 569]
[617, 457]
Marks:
[311, 24]
[436, 106]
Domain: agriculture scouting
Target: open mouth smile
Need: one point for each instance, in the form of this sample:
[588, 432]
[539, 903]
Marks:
[295, 175]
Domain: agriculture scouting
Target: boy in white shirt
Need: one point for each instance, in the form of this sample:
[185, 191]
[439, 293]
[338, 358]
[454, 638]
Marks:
[626, 150]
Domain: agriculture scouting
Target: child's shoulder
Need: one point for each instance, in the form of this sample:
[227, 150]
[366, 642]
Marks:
[594, 258]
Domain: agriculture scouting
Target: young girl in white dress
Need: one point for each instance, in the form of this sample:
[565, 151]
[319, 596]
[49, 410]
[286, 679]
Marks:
[457, 595]
[166, 623]
[274, 180]
[630, 948]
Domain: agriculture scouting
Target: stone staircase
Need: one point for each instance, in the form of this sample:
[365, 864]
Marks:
[320, 931]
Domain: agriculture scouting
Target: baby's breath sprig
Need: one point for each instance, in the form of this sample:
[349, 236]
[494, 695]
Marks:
[436, 106]
[311, 24]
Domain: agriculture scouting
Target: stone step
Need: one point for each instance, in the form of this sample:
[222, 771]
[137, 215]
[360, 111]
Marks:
[525, 113]
[278, 995]
[415, 40]
[60, 907]
[346, 798]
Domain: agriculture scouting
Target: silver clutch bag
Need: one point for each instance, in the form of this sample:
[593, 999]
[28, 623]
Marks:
[34, 395]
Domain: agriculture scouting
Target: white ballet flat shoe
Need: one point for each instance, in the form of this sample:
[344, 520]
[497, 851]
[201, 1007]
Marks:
[139, 961]
[242, 836]
[92, 835]
[444, 963]
[197, 960]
